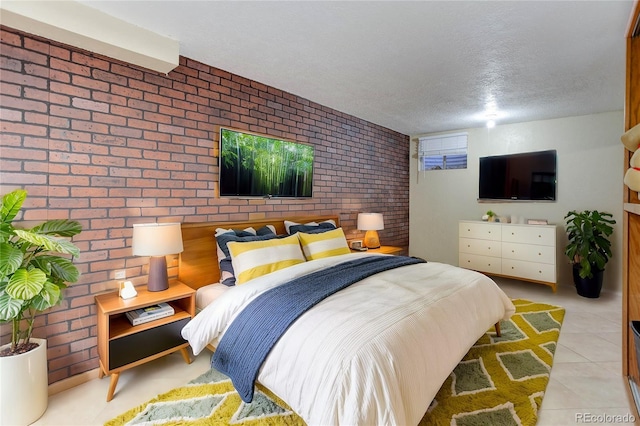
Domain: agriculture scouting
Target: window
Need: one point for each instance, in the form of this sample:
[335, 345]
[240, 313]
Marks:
[443, 152]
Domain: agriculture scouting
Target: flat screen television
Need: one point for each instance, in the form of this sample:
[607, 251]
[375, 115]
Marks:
[253, 165]
[526, 176]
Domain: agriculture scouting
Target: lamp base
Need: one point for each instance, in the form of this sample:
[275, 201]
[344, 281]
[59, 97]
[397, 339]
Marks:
[371, 240]
[158, 278]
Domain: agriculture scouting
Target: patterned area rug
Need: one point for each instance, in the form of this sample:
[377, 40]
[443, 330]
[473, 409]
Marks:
[501, 381]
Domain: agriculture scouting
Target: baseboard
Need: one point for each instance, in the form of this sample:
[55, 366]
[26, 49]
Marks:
[73, 381]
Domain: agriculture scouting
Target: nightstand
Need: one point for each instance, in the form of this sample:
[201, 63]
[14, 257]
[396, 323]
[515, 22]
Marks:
[396, 251]
[122, 346]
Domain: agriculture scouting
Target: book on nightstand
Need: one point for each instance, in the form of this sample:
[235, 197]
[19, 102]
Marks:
[149, 313]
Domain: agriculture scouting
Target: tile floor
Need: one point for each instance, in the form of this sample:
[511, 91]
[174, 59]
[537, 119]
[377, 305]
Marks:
[585, 380]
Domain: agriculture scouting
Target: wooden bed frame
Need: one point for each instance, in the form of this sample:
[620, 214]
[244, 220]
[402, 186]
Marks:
[198, 264]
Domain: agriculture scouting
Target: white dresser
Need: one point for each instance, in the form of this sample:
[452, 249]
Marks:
[525, 252]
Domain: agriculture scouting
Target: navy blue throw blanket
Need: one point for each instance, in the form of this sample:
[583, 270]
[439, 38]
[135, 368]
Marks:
[256, 329]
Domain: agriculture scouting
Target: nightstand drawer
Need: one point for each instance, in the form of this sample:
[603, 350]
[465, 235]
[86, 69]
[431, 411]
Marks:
[135, 347]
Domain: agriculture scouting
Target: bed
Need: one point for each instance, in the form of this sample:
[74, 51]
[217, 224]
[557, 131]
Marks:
[375, 352]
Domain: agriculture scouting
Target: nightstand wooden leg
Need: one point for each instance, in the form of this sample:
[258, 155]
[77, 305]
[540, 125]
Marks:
[100, 373]
[498, 333]
[185, 355]
[112, 385]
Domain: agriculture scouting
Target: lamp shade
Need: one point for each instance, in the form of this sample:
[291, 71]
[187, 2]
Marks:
[370, 221]
[156, 239]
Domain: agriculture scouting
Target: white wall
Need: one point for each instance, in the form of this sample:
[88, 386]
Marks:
[590, 172]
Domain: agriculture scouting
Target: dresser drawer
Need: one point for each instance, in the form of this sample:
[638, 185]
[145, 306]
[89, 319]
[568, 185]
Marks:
[491, 265]
[531, 234]
[482, 247]
[484, 231]
[529, 252]
[529, 270]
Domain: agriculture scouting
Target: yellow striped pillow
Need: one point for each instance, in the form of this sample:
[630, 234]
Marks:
[325, 244]
[256, 258]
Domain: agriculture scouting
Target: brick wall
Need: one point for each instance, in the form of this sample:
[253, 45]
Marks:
[110, 145]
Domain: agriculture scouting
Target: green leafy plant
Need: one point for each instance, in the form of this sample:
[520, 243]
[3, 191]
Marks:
[32, 272]
[589, 246]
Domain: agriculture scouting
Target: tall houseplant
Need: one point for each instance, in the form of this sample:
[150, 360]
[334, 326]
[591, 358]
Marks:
[589, 248]
[35, 266]
[32, 272]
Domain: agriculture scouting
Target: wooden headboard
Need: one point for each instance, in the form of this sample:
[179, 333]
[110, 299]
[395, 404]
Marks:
[198, 264]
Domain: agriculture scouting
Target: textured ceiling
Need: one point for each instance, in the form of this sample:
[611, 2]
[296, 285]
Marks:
[415, 67]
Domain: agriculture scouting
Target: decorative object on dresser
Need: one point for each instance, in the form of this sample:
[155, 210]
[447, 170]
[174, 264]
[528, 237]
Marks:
[525, 252]
[537, 222]
[490, 216]
[157, 240]
[588, 249]
[122, 345]
[35, 266]
[372, 223]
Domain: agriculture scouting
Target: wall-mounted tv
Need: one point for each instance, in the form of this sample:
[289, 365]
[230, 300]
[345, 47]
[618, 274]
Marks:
[529, 176]
[253, 165]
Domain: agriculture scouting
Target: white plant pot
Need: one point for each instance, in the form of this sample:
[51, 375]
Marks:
[24, 386]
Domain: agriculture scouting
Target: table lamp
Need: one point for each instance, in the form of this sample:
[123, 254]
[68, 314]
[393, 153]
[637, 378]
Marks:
[157, 240]
[372, 223]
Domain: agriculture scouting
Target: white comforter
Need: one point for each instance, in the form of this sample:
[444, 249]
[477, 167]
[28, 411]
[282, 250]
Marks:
[376, 352]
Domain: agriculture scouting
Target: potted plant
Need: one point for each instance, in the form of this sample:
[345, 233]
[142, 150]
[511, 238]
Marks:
[589, 248]
[35, 266]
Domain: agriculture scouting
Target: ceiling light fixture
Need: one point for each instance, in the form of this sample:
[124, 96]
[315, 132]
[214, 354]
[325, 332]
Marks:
[491, 120]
